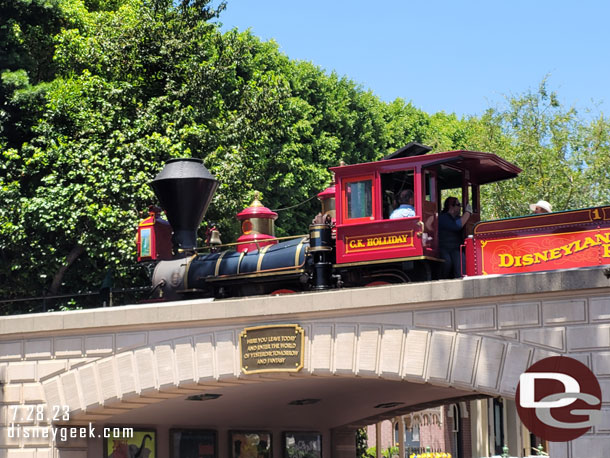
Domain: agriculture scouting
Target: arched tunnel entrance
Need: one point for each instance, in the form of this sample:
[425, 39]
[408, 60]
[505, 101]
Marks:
[332, 407]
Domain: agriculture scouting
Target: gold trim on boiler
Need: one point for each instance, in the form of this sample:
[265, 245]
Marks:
[217, 268]
[241, 256]
[261, 255]
[186, 271]
[292, 271]
[297, 253]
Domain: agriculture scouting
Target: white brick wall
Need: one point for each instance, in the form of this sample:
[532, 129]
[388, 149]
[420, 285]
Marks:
[484, 346]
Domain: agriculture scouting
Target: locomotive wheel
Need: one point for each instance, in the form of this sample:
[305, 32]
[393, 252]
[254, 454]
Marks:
[388, 277]
[377, 283]
[277, 292]
[422, 272]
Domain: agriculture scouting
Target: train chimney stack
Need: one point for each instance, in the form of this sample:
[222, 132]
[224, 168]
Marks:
[184, 188]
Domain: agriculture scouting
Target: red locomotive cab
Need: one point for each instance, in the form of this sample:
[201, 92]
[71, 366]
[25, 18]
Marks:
[365, 200]
[153, 239]
[367, 195]
[257, 226]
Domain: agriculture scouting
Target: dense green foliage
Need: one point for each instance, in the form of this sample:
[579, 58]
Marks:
[96, 94]
[129, 84]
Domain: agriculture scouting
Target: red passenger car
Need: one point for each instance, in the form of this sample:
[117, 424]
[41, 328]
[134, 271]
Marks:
[564, 240]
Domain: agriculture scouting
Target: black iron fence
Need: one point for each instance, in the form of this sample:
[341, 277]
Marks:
[107, 297]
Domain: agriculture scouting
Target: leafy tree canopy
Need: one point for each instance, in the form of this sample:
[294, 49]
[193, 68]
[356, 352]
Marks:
[565, 158]
[128, 84]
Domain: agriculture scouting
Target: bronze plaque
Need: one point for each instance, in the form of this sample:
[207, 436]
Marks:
[273, 348]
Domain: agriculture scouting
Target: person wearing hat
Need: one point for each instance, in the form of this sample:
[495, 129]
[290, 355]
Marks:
[541, 207]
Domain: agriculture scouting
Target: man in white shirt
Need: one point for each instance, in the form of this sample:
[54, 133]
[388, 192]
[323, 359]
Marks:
[405, 208]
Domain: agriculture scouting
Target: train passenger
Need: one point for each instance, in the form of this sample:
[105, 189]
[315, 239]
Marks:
[450, 225]
[541, 207]
[405, 208]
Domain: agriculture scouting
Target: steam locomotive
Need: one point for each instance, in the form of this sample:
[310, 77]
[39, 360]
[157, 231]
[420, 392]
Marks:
[352, 241]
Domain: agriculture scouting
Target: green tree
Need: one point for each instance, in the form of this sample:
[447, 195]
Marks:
[27, 31]
[361, 443]
[72, 188]
[564, 157]
[128, 84]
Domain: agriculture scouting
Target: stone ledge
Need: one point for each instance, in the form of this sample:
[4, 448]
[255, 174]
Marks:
[457, 293]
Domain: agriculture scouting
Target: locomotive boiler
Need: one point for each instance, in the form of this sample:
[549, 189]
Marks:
[259, 264]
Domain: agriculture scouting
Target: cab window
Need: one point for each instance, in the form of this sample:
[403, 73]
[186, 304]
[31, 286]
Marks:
[358, 199]
[392, 184]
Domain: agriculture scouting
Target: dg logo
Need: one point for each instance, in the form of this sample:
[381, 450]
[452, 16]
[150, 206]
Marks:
[559, 399]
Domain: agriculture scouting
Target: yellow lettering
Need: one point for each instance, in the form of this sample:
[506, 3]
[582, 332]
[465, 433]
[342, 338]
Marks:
[356, 243]
[506, 260]
[528, 259]
[540, 257]
[509, 260]
[576, 245]
[376, 241]
[603, 238]
[589, 242]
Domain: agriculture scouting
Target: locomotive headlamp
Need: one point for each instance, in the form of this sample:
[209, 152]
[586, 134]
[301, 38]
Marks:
[153, 239]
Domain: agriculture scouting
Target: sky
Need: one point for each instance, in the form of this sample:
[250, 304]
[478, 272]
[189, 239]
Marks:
[460, 56]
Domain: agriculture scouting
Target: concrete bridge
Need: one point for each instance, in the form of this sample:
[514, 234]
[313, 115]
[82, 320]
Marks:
[369, 354]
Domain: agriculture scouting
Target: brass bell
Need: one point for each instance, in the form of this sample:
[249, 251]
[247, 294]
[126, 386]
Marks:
[215, 237]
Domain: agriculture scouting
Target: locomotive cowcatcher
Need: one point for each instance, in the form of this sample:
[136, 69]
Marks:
[352, 242]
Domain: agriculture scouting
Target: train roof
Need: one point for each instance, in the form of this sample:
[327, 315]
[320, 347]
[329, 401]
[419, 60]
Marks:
[481, 167]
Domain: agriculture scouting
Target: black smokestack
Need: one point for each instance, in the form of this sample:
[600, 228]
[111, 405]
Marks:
[185, 189]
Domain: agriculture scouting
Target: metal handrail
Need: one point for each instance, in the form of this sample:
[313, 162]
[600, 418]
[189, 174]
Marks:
[224, 245]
